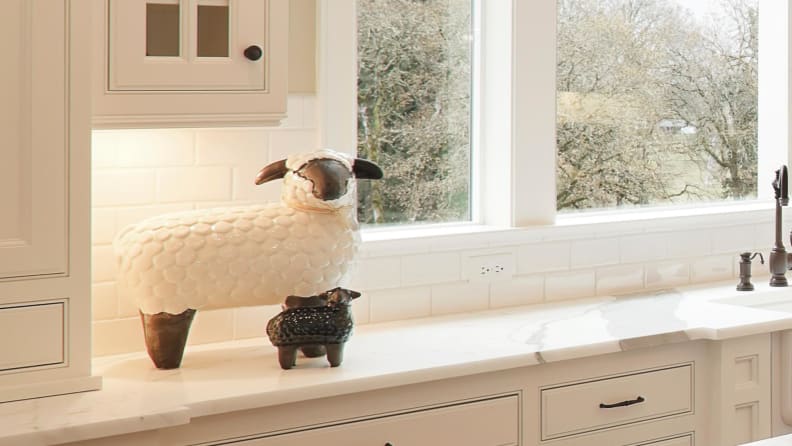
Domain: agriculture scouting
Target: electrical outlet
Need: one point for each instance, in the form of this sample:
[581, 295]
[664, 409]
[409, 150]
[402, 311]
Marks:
[490, 267]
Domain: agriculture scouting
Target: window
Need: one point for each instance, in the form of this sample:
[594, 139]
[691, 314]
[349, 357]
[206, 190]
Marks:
[514, 181]
[657, 102]
[414, 109]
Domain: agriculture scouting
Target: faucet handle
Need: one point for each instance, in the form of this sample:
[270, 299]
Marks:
[780, 185]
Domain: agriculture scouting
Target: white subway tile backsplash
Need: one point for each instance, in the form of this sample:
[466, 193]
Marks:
[361, 309]
[732, 239]
[521, 290]
[245, 188]
[212, 326]
[431, 268]
[103, 225]
[127, 307]
[251, 322]
[543, 257]
[193, 184]
[104, 153]
[667, 274]
[378, 273]
[764, 237]
[403, 303]
[712, 268]
[619, 279]
[103, 264]
[641, 248]
[119, 187]
[597, 252]
[155, 147]
[682, 244]
[286, 142]
[562, 286]
[232, 147]
[104, 301]
[116, 336]
[460, 297]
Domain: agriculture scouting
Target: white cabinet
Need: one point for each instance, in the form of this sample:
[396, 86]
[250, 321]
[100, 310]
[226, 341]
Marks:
[44, 197]
[493, 422]
[190, 62]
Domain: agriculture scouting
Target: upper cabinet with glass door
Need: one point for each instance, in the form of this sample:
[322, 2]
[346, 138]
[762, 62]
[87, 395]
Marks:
[190, 62]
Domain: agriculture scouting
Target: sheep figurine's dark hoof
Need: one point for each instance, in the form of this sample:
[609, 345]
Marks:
[287, 354]
[317, 325]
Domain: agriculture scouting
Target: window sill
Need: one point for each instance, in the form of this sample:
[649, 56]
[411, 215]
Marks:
[469, 236]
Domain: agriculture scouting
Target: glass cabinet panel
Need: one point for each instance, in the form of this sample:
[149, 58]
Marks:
[213, 30]
[162, 29]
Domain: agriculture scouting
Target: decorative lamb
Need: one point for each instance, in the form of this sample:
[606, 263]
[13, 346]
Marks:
[174, 264]
[324, 321]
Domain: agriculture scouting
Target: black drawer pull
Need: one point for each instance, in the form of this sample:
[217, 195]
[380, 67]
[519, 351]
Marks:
[640, 399]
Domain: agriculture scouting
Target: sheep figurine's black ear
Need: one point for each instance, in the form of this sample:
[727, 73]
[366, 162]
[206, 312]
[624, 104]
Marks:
[366, 170]
[271, 172]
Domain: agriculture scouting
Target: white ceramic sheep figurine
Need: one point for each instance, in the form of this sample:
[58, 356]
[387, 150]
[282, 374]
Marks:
[175, 264]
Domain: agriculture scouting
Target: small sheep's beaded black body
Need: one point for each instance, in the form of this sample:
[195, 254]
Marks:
[321, 328]
[311, 325]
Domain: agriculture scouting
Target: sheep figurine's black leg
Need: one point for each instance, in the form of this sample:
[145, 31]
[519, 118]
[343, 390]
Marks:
[335, 354]
[287, 356]
[166, 336]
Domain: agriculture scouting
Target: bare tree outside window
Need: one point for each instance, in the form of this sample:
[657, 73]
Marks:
[414, 93]
[656, 102]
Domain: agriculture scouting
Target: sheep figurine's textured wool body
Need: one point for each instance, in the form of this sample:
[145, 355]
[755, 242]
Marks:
[249, 255]
[326, 322]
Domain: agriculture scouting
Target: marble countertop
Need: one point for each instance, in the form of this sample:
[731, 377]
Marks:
[239, 375]
[784, 440]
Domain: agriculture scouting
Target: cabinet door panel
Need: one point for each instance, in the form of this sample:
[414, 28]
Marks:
[33, 187]
[198, 29]
[493, 422]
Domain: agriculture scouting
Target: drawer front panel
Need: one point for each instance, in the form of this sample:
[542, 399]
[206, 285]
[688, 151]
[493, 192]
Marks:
[31, 335]
[679, 441]
[485, 423]
[576, 408]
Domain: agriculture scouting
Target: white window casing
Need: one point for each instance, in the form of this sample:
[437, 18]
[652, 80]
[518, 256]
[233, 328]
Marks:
[514, 142]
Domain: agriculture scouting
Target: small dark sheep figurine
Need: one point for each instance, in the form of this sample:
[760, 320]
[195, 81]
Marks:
[314, 324]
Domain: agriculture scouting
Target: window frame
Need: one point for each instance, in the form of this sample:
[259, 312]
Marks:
[514, 182]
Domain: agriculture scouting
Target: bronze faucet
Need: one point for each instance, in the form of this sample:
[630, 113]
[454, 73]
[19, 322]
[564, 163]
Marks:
[779, 258]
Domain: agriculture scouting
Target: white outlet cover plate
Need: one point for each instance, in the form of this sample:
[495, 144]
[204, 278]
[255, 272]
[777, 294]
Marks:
[497, 266]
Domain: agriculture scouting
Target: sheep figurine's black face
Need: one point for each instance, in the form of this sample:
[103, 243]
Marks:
[322, 179]
[341, 296]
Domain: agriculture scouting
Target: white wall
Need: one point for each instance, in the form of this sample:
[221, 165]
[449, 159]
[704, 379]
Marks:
[139, 173]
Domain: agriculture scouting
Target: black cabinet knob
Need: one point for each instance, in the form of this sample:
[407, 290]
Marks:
[388, 444]
[253, 52]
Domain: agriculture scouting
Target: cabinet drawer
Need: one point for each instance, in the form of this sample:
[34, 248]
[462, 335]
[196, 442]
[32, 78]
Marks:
[582, 407]
[679, 441]
[31, 335]
[483, 423]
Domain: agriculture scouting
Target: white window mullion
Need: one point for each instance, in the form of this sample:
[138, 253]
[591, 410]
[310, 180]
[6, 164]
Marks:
[533, 112]
[337, 75]
[494, 113]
